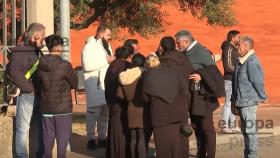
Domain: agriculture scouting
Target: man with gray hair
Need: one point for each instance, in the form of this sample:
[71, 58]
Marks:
[248, 91]
[23, 65]
[201, 109]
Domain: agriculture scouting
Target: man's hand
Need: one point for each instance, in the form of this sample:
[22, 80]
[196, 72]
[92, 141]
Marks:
[110, 59]
[265, 102]
[195, 77]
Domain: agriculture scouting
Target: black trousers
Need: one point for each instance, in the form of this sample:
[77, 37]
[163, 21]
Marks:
[137, 143]
[170, 143]
[59, 128]
[205, 135]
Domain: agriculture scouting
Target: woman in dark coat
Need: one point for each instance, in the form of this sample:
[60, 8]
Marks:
[138, 113]
[117, 130]
[166, 89]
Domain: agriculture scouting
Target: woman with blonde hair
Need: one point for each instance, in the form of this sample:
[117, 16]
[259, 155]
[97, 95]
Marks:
[152, 61]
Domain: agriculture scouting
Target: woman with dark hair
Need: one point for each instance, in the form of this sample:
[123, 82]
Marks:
[133, 43]
[117, 131]
[138, 113]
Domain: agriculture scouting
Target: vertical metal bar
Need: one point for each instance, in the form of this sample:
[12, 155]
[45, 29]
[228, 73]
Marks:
[23, 16]
[4, 31]
[14, 28]
[65, 28]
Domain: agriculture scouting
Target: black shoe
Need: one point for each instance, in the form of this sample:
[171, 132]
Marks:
[102, 143]
[91, 145]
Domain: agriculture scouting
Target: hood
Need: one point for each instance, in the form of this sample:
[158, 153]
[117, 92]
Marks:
[173, 57]
[161, 82]
[49, 62]
[130, 75]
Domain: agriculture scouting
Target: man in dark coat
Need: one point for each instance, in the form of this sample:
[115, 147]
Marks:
[178, 62]
[22, 60]
[165, 88]
[56, 78]
[204, 99]
[117, 130]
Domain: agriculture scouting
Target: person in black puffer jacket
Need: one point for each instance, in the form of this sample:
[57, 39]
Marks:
[56, 78]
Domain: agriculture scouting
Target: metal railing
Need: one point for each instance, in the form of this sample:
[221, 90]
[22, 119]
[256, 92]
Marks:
[5, 47]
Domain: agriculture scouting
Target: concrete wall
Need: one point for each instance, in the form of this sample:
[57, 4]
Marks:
[41, 11]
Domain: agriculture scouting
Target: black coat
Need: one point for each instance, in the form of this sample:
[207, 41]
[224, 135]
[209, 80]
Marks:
[56, 78]
[230, 59]
[205, 101]
[164, 91]
[22, 60]
[111, 80]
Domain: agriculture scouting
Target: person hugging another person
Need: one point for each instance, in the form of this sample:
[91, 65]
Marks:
[117, 130]
[165, 91]
[138, 113]
[56, 78]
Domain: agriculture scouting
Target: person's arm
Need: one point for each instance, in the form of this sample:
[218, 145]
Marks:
[17, 74]
[70, 76]
[256, 77]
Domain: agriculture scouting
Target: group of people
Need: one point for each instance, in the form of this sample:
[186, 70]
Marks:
[130, 96]
[159, 93]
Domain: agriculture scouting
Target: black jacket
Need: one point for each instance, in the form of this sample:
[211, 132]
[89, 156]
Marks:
[112, 80]
[230, 59]
[164, 91]
[205, 101]
[56, 78]
[22, 60]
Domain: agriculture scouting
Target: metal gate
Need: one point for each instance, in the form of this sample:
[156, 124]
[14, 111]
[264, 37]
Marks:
[9, 37]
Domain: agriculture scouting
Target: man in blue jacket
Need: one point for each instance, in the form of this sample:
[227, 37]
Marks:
[248, 92]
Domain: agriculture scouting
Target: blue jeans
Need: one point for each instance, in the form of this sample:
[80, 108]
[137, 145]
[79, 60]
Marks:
[26, 106]
[249, 130]
[228, 117]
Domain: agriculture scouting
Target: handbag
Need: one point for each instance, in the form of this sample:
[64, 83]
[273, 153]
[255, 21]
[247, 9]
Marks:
[12, 89]
[186, 129]
[234, 109]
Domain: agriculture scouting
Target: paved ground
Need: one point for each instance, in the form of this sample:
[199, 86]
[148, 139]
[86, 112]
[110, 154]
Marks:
[230, 146]
[267, 148]
[227, 145]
